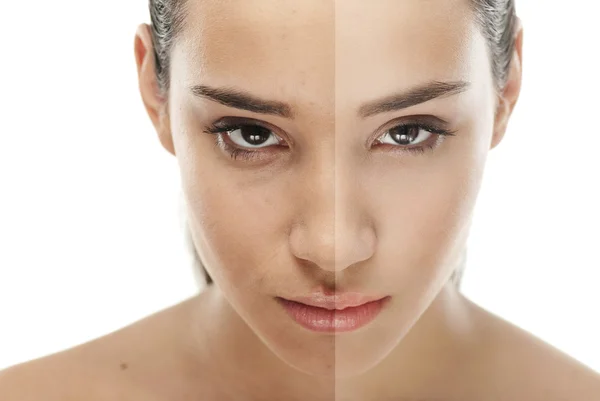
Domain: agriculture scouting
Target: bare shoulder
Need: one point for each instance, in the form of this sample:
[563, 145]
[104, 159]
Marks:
[62, 376]
[522, 366]
[124, 365]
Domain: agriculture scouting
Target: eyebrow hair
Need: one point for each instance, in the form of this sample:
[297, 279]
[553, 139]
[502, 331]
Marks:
[413, 97]
[239, 99]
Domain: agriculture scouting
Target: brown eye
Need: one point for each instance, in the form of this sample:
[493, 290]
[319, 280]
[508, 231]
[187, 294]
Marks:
[252, 136]
[405, 135]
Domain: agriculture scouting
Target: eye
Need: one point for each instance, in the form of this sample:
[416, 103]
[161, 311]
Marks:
[406, 135]
[248, 141]
[252, 136]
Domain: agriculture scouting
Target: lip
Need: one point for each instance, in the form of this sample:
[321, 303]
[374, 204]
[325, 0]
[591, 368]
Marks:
[333, 313]
[335, 301]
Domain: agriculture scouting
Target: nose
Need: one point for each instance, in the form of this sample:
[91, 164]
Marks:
[333, 230]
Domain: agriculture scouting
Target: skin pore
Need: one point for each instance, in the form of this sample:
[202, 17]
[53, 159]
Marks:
[323, 146]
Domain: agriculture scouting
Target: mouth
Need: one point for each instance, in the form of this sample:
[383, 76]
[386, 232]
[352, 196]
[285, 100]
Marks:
[334, 313]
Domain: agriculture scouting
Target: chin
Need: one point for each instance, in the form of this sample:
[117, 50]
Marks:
[336, 356]
[353, 359]
[342, 362]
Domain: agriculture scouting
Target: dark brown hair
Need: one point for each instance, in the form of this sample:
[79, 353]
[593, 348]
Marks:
[497, 20]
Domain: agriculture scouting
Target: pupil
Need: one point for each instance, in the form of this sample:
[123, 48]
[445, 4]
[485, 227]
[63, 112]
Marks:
[404, 135]
[255, 135]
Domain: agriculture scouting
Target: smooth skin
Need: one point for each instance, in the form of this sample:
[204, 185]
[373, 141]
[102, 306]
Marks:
[330, 201]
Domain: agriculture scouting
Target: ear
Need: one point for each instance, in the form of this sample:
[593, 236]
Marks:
[154, 100]
[510, 93]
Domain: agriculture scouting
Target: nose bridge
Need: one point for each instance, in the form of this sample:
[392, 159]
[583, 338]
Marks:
[354, 235]
[334, 231]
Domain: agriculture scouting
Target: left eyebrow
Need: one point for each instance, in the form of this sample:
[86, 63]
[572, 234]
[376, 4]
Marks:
[413, 97]
[239, 99]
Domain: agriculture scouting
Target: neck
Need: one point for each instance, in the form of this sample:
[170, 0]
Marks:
[424, 363]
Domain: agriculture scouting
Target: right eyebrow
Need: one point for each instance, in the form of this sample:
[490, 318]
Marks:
[239, 99]
[413, 97]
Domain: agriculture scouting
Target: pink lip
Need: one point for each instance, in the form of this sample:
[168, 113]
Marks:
[334, 313]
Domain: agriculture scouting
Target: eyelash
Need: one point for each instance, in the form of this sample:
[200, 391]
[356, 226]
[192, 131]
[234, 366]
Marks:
[238, 153]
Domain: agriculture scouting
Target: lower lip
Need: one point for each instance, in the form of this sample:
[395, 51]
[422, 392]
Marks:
[333, 321]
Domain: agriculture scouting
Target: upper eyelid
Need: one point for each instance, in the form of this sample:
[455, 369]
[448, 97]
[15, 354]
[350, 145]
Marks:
[429, 128]
[416, 120]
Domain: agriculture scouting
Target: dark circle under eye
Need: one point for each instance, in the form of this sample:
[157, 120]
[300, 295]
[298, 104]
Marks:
[255, 135]
[405, 134]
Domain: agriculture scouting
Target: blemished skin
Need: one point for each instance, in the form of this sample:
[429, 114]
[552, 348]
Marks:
[330, 201]
[325, 204]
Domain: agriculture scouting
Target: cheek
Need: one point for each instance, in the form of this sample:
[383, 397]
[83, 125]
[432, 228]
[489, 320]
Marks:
[240, 223]
[424, 211]
[237, 224]
[237, 215]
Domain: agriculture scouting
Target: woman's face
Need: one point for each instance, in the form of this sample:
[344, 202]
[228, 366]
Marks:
[353, 140]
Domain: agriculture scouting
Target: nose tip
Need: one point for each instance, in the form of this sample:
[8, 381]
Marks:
[333, 248]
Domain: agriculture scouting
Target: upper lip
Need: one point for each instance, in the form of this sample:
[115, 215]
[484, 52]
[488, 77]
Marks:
[336, 301]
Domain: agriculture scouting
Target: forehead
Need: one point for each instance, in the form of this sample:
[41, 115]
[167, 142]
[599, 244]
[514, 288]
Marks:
[292, 48]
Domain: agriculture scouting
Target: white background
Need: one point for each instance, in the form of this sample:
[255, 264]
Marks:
[90, 239]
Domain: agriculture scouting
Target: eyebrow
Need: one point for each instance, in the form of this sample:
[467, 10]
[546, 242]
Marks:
[413, 97]
[239, 99]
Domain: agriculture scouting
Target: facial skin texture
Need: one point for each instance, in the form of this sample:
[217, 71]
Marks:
[331, 208]
[415, 207]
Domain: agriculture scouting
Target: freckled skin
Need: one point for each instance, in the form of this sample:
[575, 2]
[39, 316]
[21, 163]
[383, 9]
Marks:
[330, 208]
